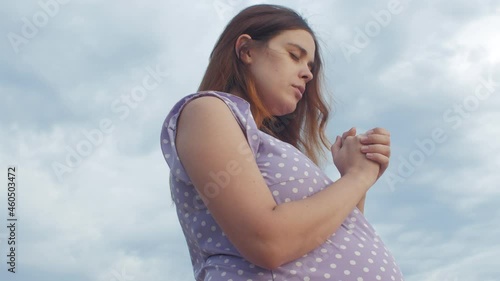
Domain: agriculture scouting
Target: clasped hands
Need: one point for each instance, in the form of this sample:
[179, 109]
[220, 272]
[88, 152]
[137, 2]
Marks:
[374, 145]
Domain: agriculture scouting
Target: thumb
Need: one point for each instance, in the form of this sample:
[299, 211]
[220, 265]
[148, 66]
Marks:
[336, 146]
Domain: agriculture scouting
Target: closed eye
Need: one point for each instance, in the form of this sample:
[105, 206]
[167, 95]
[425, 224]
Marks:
[294, 57]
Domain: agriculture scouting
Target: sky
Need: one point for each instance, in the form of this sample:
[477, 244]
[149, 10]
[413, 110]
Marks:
[83, 131]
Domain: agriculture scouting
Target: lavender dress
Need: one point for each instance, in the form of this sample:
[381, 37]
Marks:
[354, 252]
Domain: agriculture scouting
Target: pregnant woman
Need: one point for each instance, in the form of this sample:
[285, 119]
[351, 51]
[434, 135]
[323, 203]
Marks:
[243, 151]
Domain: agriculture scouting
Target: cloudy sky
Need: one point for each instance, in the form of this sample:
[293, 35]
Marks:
[93, 199]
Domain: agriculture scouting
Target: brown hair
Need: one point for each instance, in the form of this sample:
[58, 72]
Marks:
[305, 127]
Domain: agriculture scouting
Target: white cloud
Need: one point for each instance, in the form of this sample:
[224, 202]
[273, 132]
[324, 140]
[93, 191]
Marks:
[111, 217]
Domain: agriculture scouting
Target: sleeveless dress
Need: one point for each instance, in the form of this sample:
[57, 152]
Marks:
[353, 253]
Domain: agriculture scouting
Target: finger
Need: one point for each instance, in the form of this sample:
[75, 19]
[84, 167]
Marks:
[375, 139]
[336, 146]
[377, 148]
[378, 130]
[350, 132]
[379, 158]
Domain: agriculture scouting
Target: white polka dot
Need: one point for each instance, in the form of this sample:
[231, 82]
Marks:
[352, 262]
[357, 253]
[295, 168]
[298, 263]
[277, 175]
[270, 155]
[365, 269]
[374, 253]
[281, 165]
[361, 245]
[293, 271]
[276, 193]
[267, 164]
[338, 256]
[347, 272]
[319, 259]
[312, 269]
[343, 247]
[370, 260]
[326, 275]
[295, 190]
[359, 279]
[291, 178]
[240, 272]
[254, 137]
[283, 155]
[382, 269]
[378, 277]
[332, 265]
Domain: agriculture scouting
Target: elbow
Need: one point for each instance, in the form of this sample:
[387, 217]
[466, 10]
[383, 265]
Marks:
[267, 258]
[268, 252]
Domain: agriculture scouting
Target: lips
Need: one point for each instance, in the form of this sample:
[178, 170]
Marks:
[300, 88]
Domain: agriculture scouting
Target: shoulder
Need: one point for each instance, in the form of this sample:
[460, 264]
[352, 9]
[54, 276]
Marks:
[204, 121]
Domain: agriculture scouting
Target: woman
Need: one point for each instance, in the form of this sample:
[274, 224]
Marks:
[251, 200]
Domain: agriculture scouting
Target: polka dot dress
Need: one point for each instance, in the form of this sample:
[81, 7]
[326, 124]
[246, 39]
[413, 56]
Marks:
[354, 252]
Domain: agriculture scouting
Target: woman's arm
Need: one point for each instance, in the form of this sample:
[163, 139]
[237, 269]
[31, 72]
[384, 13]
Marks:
[211, 145]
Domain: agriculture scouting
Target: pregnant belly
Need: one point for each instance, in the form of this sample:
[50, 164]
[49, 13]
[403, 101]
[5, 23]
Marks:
[354, 252]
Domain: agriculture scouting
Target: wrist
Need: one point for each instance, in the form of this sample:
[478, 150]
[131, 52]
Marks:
[362, 177]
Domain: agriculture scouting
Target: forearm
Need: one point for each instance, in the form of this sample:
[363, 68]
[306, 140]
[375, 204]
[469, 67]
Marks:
[301, 226]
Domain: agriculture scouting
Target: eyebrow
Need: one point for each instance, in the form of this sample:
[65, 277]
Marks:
[302, 51]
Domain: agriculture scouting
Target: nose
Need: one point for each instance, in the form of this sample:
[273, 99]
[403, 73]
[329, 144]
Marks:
[306, 74]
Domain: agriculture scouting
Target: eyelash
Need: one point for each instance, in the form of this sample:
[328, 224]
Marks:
[294, 57]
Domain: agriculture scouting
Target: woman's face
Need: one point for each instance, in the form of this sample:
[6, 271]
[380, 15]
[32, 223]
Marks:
[282, 70]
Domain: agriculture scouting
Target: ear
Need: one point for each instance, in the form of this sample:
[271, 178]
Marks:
[242, 48]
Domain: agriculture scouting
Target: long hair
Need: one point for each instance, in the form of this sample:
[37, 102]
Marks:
[305, 127]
